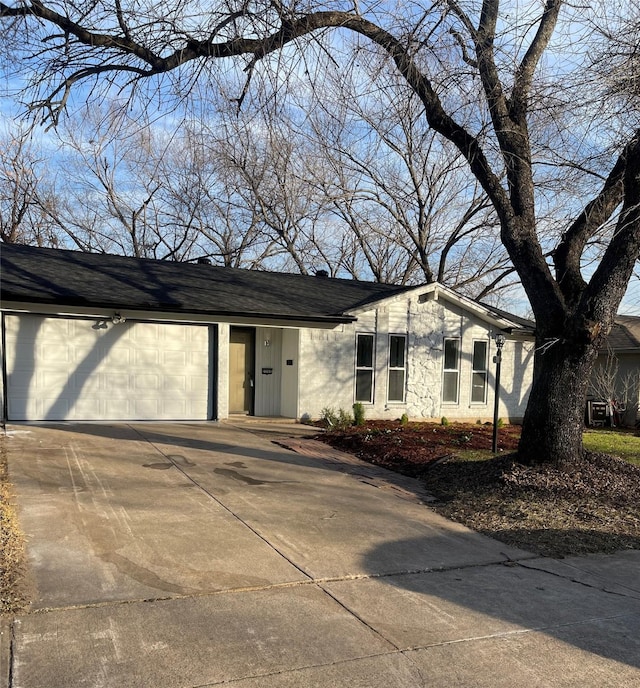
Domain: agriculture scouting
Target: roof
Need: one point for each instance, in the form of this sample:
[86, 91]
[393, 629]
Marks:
[30, 275]
[625, 334]
[525, 324]
[35, 275]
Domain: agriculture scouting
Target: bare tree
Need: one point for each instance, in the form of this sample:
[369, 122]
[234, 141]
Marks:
[23, 192]
[619, 388]
[140, 190]
[484, 83]
[416, 213]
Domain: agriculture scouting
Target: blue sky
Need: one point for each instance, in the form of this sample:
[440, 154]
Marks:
[9, 109]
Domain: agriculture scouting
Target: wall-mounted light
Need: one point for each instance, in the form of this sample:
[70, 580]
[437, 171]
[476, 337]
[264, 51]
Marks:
[118, 319]
[267, 342]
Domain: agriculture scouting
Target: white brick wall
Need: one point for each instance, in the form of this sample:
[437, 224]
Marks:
[327, 363]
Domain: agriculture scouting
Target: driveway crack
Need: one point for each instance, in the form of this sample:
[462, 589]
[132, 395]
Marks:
[625, 591]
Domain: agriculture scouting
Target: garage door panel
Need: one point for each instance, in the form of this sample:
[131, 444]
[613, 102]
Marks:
[192, 385]
[79, 370]
[117, 358]
[17, 407]
[146, 408]
[116, 382]
[118, 409]
[171, 383]
[175, 407]
[52, 379]
[177, 359]
[147, 357]
[55, 352]
[83, 386]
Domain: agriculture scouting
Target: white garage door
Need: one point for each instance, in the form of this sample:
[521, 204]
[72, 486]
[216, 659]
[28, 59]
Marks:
[62, 369]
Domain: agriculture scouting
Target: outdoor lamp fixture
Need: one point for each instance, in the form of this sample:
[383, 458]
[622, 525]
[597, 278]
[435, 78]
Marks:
[117, 319]
[500, 339]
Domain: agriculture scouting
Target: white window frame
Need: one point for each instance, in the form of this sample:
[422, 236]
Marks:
[455, 370]
[361, 368]
[484, 371]
[403, 368]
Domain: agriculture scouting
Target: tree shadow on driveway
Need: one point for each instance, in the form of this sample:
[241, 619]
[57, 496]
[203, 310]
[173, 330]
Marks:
[419, 610]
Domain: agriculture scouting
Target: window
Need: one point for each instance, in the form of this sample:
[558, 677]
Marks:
[364, 367]
[397, 367]
[451, 374]
[479, 373]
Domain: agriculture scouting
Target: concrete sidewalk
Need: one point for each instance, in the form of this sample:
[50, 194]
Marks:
[203, 554]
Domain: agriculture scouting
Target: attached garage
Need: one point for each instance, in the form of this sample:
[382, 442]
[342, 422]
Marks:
[100, 337]
[94, 369]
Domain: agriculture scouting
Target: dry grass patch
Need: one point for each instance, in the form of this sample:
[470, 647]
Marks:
[14, 588]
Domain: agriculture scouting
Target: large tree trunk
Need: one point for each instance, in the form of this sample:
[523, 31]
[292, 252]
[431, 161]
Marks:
[554, 419]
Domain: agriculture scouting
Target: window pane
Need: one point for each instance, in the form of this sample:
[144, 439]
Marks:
[396, 385]
[451, 354]
[479, 355]
[364, 356]
[396, 351]
[478, 387]
[364, 385]
[450, 386]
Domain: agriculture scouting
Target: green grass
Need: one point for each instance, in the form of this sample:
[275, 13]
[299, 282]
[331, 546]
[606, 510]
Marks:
[614, 441]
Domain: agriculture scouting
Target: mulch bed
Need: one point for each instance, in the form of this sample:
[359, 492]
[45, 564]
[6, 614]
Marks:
[411, 449]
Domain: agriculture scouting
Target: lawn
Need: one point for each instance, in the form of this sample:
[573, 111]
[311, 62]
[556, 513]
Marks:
[617, 441]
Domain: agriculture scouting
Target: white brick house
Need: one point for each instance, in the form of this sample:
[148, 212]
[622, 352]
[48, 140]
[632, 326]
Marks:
[98, 337]
[431, 356]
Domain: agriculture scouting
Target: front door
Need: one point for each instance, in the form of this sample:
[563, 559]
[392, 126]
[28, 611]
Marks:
[241, 370]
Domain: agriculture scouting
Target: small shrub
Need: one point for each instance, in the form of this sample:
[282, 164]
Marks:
[478, 422]
[329, 417]
[444, 421]
[358, 414]
[404, 419]
[500, 422]
[345, 419]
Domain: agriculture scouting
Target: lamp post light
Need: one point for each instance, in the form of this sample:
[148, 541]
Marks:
[497, 359]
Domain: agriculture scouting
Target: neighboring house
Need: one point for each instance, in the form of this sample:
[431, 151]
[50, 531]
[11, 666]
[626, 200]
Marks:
[101, 337]
[616, 375]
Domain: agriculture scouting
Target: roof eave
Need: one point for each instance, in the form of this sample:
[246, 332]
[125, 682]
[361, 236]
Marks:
[54, 307]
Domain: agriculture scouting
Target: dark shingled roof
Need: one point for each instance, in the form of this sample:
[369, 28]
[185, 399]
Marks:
[525, 323]
[625, 334]
[31, 274]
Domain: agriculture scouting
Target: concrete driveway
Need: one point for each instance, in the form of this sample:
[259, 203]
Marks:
[203, 554]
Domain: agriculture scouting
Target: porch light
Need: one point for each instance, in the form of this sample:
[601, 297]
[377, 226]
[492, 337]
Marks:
[118, 319]
[500, 339]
